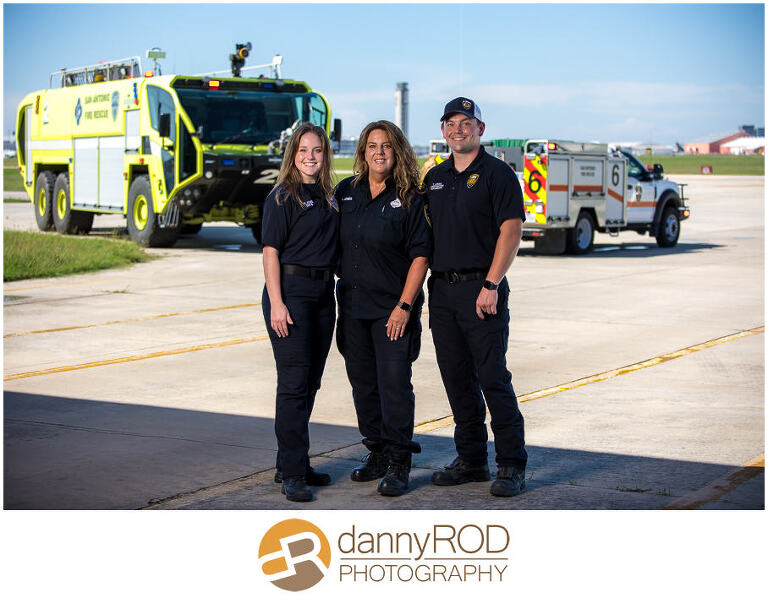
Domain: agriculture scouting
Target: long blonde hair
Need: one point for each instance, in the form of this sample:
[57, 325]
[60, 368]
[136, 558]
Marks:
[406, 171]
[289, 178]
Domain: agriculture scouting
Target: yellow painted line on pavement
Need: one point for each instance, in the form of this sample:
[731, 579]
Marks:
[721, 486]
[552, 390]
[59, 284]
[140, 319]
[435, 424]
[96, 364]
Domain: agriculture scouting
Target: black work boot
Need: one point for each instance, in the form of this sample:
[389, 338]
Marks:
[510, 481]
[312, 478]
[376, 463]
[295, 489]
[395, 481]
[461, 472]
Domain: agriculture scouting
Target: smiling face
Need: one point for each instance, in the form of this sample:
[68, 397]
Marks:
[309, 157]
[379, 154]
[462, 133]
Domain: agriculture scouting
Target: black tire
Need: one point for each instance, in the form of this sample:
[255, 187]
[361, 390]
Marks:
[43, 201]
[191, 229]
[581, 237]
[66, 220]
[669, 227]
[256, 231]
[143, 227]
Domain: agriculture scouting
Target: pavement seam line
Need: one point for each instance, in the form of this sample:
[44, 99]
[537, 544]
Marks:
[117, 360]
[141, 319]
[60, 284]
[442, 422]
[721, 486]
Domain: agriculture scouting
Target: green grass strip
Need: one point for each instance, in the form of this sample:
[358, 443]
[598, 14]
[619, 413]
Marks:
[39, 255]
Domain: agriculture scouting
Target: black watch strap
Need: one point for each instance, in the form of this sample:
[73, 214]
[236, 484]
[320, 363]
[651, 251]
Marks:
[491, 286]
[404, 306]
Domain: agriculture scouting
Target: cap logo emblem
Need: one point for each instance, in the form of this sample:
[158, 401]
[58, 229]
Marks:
[467, 104]
[472, 180]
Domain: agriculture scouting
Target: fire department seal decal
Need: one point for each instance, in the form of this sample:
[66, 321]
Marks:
[78, 111]
[467, 104]
[472, 180]
[115, 104]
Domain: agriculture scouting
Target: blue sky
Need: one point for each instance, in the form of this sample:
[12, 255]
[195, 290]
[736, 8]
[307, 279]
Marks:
[604, 72]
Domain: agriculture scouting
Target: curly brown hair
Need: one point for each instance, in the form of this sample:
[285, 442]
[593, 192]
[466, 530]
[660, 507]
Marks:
[406, 171]
[289, 178]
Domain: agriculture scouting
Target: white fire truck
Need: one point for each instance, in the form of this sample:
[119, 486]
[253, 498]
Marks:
[573, 189]
[168, 152]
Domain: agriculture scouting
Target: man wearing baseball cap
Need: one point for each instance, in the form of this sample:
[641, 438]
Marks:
[476, 207]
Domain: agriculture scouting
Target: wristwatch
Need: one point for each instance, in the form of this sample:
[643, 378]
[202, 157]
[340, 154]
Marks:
[404, 306]
[491, 286]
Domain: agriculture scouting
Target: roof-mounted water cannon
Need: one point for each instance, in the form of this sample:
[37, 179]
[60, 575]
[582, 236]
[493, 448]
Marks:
[238, 58]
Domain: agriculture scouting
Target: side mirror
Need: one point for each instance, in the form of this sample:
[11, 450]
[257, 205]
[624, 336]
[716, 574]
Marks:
[164, 126]
[336, 133]
[658, 171]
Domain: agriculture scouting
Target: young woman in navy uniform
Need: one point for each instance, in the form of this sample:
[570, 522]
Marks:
[300, 239]
[385, 248]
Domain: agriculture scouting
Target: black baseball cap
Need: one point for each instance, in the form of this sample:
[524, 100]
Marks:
[463, 106]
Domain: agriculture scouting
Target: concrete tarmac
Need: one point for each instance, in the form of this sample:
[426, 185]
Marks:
[153, 386]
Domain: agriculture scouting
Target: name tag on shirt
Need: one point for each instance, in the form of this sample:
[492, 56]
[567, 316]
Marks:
[436, 186]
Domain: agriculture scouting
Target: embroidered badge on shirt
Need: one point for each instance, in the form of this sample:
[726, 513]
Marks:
[309, 203]
[332, 202]
[346, 198]
[472, 180]
[396, 203]
[436, 186]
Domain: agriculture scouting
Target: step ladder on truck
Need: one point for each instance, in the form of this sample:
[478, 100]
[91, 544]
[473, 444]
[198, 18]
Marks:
[573, 189]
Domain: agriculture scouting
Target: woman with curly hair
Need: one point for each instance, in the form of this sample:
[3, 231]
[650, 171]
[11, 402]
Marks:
[300, 240]
[385, 247]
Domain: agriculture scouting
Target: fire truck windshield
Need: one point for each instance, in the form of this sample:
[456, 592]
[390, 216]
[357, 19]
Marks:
[249, 117]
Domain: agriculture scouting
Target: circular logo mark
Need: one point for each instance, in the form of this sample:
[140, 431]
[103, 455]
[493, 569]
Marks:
[466, 104]
[294, 555]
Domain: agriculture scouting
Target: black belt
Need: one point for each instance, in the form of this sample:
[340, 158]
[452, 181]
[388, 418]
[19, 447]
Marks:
[324, 274]
[453, 277]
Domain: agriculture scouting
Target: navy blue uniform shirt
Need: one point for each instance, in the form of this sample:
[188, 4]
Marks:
[303, 235]
[467, 209]
[379, 240]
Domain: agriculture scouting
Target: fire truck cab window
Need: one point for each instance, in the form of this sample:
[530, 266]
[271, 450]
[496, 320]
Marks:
[636, 169]
[161, 102]
[249, 117]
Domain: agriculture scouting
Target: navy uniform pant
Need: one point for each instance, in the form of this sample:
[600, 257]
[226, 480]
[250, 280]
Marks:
[471, 355]
[379, 371]
[300, 359]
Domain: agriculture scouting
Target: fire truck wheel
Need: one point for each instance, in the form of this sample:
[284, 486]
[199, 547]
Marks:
[581, 236]
[143, 227]
[669, 228]
[256, 230]
[44, 199]
[66, 220]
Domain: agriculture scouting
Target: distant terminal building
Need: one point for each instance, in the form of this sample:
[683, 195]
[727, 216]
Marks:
[728, 144]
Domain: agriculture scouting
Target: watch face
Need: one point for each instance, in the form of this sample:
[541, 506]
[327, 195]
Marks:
[490, 285]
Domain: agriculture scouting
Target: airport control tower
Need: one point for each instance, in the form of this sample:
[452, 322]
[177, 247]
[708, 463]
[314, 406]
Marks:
[401, 107]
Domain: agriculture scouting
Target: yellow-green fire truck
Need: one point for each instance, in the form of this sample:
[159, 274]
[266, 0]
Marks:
[169, 152]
